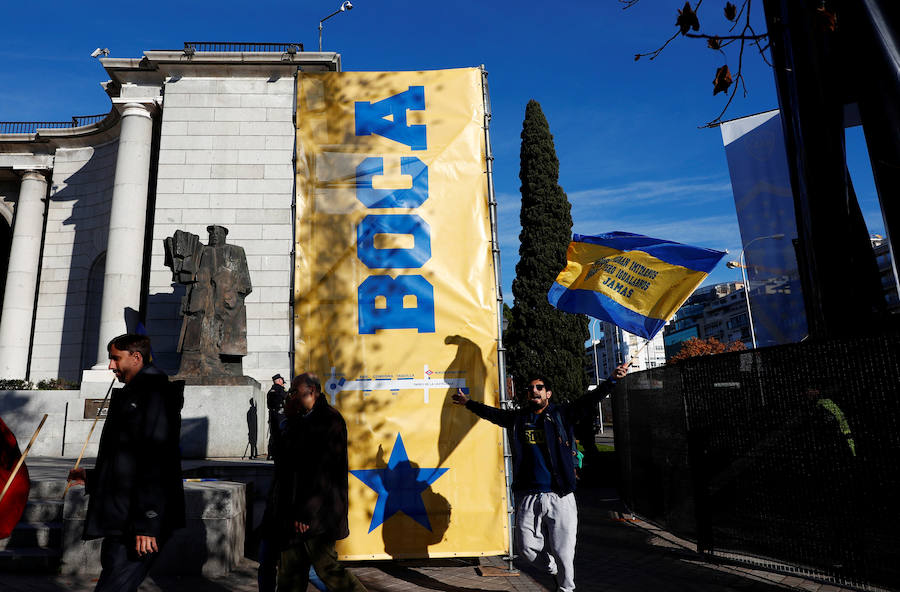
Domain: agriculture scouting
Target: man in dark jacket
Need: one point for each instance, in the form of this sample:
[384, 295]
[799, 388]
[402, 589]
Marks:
[311, 474]
[543, 446]
[136, 492]
[275, 403]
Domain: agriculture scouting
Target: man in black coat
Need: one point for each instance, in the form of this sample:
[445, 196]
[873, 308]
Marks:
[542, 438]
[311, 483]
[136, 492]
[275, 404]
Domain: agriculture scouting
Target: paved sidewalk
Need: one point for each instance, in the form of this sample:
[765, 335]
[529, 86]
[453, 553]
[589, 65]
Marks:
[634, 556]
[613, 554]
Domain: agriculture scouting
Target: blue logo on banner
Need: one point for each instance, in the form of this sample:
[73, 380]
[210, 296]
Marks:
[394, 315]
[406, 224]
[380, 297]
[371, 118]
[392, 198]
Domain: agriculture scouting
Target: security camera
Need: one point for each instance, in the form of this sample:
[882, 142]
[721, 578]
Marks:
[346, 6]
[100, 51]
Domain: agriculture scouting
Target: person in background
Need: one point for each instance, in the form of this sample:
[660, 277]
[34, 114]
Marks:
[275, 404]
[311, 490]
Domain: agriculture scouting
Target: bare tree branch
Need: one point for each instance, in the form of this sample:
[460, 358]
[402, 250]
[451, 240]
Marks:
[737, 19]
[745, 35]
[656, 52]
[653, 54]
[739, 77]
[732, 37]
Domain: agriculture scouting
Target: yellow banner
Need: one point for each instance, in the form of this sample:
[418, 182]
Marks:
[396, 305]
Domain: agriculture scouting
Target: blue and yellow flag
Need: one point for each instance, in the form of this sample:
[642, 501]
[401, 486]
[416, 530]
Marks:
[633, 281]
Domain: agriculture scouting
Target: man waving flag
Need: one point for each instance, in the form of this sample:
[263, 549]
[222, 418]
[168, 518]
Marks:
[635, 282]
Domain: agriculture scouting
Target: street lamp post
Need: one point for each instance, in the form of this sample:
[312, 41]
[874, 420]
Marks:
[594, 345]
[596, 371]
[346, 5]
[746, 280]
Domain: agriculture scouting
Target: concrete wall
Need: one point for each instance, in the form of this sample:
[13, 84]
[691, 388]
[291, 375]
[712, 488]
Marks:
[22, 412]
[215, 421]
[76, 235]
[226, 157]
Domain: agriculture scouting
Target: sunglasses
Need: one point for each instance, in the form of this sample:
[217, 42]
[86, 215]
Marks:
[538, 387]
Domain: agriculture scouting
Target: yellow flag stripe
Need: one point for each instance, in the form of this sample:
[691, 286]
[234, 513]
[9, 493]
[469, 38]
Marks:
[635, 279]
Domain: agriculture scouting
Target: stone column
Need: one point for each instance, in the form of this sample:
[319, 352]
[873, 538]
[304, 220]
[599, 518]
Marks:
[21, 278]
[127, 218]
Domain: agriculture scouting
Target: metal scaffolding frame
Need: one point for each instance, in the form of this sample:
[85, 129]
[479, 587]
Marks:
[505, 401]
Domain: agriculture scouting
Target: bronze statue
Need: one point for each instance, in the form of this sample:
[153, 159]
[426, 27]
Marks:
[214, 331]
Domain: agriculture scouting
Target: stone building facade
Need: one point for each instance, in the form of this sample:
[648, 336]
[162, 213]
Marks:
[194, 138]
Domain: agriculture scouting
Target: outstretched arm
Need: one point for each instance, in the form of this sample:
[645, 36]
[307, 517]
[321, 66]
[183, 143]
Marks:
[587, 403]
[501, 417]
[459, 397]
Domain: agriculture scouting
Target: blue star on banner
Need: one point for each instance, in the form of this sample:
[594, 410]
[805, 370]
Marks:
[399, 487]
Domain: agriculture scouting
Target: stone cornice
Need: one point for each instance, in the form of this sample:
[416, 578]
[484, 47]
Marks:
[22, 162]
[158, 65]
[141, 80]
[48, 140]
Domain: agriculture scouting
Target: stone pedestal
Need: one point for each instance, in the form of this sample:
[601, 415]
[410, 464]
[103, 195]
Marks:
[222, 380]
[214, 420]
[95, 383]
[212, 544]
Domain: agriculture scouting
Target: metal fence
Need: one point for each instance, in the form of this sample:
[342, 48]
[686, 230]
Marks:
[30, 127]
[789, 453]
[243, 46]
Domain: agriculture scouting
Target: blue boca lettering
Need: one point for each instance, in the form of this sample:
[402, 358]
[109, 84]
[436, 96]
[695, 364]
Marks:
[375, 258]
[370, 118]
[394, 315]
[392, 198]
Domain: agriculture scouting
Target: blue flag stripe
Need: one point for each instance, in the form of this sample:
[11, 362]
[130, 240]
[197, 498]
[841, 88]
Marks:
[603, 308]
[696, 258]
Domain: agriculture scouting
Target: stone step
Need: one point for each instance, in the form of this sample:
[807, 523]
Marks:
[30, 560]
[47, 489]
[42, 511]
[34, 535]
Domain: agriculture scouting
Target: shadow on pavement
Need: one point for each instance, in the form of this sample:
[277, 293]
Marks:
[615, 556]
[419, 579]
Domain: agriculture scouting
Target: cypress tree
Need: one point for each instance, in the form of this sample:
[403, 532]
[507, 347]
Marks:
[541, 339]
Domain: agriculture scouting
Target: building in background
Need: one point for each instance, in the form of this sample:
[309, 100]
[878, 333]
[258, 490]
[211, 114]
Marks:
[718, 311]
[887, 273]
[611, 346]
[196, 136]
[760, 181]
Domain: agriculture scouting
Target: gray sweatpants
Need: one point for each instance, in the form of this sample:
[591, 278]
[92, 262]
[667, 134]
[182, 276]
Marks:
[546, 529]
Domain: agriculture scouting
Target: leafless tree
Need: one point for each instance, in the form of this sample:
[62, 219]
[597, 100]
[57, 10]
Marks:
[740, 32]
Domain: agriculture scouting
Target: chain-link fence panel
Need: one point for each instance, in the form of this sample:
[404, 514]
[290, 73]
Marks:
[790, 453]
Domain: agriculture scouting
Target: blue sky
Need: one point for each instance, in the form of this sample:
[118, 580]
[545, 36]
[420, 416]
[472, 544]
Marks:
[631, 155]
